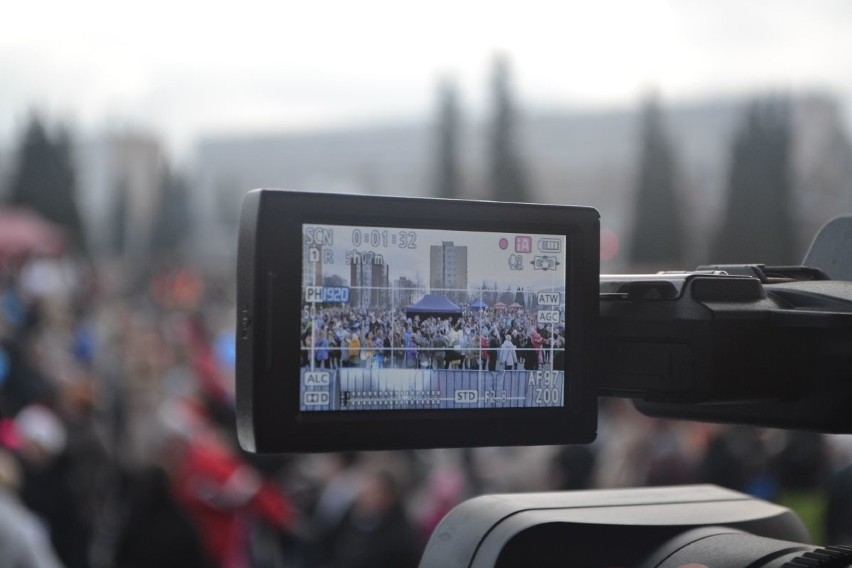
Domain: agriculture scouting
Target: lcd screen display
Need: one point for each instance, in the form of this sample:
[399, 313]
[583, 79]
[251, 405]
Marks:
[418, 319]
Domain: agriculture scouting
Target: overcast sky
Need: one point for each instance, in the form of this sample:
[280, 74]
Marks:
[187, 68]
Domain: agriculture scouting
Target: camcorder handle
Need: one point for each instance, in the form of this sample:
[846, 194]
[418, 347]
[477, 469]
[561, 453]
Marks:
[746, 344]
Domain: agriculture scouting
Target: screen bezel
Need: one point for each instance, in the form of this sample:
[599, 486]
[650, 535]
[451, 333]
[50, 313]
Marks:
[269, 297]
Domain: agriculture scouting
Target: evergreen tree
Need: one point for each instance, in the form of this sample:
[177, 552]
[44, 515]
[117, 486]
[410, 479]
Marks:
[508, 178]
[758, 225]
[43, 179]
[657, 230]
[119, 220]
[447, 178]
[172, 221]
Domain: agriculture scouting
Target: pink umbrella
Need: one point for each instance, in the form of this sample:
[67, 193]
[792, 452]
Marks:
[24, 234]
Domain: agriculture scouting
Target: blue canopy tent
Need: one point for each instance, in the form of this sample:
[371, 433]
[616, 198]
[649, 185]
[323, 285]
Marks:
[433, 305]
[479, 305]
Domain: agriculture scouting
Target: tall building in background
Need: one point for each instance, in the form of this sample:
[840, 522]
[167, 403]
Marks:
[312, 265]
[448, 270]
[120, 182]
[369, 285]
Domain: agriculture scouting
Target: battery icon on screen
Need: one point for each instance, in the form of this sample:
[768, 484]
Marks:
[549, 245]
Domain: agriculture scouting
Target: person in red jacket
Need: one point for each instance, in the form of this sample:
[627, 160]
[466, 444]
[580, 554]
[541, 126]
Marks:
[537, 342]
[219, 491]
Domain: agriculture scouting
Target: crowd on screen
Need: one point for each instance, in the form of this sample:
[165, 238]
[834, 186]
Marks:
[501, 339]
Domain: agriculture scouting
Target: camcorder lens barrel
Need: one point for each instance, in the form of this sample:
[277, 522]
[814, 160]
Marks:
[720, 547]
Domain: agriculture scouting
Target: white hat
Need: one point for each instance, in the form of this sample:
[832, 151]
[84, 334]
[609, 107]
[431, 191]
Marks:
[40, 425]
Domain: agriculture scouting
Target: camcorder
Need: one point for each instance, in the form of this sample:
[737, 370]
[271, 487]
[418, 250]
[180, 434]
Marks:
[424, 323]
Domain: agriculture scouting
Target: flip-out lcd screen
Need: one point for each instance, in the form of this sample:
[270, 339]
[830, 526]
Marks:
[375, 323]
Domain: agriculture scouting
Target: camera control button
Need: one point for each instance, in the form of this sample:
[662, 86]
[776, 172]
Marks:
[245, 323]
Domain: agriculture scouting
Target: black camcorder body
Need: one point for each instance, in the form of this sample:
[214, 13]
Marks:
[447, 323]
[746, 344]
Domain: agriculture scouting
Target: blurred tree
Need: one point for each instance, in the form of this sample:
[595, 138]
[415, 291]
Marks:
[507, 172]
[43, 179]
[519, 296]
[447, 176]
[658, 229]
[758, 225]
[119, 220]
[488, 293]
[172, 220]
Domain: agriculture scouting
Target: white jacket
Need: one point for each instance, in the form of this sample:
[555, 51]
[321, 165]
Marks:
[507, 354]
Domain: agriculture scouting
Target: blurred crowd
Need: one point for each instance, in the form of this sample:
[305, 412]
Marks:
[117, 443]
